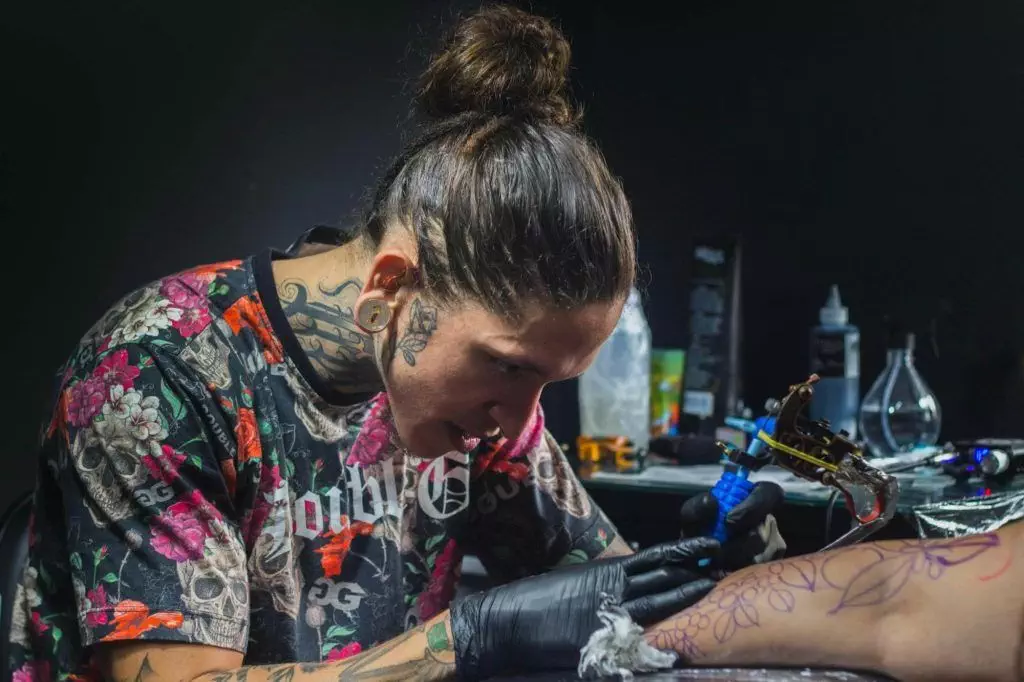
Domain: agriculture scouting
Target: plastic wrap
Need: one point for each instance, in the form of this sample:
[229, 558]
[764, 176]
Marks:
[722, 674]
[969, 515]
[764, 675]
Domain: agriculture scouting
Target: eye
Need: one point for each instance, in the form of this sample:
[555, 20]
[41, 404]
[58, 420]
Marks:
[506, 367]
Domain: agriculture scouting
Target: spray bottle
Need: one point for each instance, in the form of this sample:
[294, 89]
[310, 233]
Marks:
[835, 358]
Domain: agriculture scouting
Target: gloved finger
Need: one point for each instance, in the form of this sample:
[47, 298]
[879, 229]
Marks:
[774, 543]
[654, 608]
[765, 498]
[761, 545]
[660, 579]
[698, 515]
[677, 552]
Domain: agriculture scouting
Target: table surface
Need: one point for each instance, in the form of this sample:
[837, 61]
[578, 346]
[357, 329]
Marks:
[922, 487]
[722, 674]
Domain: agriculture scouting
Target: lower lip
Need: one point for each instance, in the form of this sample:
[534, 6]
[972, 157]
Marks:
[462, 441]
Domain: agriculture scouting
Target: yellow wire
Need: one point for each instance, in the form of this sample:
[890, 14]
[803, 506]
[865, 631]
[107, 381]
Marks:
[776, 445]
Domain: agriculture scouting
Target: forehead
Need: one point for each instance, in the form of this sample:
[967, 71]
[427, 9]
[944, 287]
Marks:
[559, 342]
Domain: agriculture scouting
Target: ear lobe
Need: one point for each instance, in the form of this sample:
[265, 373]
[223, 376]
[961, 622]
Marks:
[378, 303]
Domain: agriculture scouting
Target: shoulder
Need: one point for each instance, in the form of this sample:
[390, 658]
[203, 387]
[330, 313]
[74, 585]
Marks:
[167, 312]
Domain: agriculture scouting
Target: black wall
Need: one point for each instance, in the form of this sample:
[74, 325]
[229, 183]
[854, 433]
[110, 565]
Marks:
[873, 145]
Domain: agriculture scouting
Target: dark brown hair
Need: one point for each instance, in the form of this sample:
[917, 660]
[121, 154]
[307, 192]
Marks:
[509, 201]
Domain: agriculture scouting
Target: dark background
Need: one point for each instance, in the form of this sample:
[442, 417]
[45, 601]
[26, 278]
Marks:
[875, 145]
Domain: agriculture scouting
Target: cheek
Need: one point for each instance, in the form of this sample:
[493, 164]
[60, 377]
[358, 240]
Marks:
[430, 387]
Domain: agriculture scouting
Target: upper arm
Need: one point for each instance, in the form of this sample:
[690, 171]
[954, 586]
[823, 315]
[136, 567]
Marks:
[151, 548]
[162, 661]
[533, 512]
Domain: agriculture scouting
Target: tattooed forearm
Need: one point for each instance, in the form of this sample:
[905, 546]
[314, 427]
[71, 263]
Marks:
[422, 325]
[324, 323]
[788, 603]
[436, 663]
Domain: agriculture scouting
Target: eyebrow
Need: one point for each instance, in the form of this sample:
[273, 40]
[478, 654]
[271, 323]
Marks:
[516, 360]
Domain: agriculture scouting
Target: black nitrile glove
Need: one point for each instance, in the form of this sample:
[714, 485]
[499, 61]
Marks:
[754, 536]
[542, 622]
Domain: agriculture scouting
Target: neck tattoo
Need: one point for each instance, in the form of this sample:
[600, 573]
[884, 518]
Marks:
[324, 323]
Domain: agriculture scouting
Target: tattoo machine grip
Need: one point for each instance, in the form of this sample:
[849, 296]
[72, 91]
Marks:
[732, 488]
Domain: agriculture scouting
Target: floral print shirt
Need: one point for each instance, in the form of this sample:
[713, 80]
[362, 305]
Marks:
[196, 486]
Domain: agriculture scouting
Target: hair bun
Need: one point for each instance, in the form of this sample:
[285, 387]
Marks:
[500, 61]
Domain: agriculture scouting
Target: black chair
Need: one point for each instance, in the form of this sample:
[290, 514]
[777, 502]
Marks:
[13, 554]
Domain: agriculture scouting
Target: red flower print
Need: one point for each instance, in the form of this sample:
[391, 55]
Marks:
[248, 436]
[248, 313]
[208, 273]
[38, 626]
[332, 554]
[441, 588]
[165, 467]
[132, 619]
[341, 653]
[115, 371]
[97, 599]
[371, 443]
[85, 401]
[33, 671]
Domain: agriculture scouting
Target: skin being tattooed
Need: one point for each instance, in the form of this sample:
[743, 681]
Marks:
[323, 320]
[842, 607]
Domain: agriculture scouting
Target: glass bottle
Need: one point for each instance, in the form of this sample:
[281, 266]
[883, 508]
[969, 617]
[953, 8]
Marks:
[900, 411]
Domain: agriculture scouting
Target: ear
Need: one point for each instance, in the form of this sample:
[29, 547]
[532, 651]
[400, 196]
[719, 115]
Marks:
[390, 272]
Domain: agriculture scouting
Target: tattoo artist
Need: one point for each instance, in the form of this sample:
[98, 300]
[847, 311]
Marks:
[270, 468]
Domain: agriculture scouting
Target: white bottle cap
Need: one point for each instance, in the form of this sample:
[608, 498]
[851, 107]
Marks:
[834, 314]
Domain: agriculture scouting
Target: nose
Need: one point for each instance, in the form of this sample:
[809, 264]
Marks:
[514, 412]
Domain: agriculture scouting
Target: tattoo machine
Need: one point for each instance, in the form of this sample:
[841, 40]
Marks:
[810, 450]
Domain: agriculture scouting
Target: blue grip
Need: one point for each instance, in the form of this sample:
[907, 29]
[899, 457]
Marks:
[731, 489]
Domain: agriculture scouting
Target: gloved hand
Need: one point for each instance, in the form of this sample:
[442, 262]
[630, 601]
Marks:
[542, 622]
[753, 534]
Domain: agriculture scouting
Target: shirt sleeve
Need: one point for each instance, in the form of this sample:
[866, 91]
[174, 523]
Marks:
[152, 544]
[531, 513]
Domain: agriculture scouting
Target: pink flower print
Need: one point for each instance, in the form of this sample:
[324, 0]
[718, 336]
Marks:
[115, 371]
[185, 291]
[96, 606]
[180, 532]
[374, 437]
[33, 671]
[165, 467]
[193, 321]
[341, 653]
[199, 508]
[87, 398]
[441, 588]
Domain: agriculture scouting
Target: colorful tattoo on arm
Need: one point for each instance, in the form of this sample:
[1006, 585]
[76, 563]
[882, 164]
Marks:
[850, 578]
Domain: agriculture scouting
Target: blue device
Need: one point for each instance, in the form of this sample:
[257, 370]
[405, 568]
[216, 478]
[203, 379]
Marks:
[733, 487]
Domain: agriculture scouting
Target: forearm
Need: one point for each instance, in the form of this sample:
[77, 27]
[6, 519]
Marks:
[917, 609]
[425, 654]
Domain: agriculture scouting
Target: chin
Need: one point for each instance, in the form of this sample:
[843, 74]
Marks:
[429, 445]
